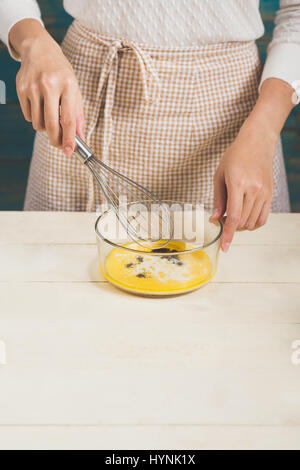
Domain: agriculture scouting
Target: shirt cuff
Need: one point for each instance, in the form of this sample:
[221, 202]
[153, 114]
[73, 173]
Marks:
[283, 62]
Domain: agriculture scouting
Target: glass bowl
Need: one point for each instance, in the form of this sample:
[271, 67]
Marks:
[185, 264]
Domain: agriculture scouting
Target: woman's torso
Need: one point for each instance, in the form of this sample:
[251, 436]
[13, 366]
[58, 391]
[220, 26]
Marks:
[171, 23]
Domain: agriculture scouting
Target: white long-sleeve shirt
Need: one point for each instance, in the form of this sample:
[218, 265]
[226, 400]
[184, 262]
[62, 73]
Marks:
[180, 23]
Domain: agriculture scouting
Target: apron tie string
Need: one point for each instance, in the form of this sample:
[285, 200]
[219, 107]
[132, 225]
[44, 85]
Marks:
[107, 83]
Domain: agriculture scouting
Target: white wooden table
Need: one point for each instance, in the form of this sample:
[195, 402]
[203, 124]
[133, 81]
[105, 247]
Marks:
[88, 366]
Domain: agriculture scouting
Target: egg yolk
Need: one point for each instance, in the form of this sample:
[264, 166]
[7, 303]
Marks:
[164, 272]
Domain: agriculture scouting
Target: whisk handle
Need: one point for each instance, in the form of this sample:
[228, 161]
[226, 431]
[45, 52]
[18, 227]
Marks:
[83, 151]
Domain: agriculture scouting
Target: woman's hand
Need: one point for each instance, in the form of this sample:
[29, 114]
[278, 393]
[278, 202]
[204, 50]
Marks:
[243, 182]
[46, 83]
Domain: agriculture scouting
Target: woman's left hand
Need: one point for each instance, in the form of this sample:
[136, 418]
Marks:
[243, 182]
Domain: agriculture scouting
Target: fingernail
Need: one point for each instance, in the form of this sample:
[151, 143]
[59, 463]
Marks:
[68, 150]
[226, 247]
[216, 213]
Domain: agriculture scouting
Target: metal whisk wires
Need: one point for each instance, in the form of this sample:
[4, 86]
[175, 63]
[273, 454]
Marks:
[148, 219]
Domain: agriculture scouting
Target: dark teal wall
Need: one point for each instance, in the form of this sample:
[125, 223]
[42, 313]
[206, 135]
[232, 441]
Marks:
[16, 135]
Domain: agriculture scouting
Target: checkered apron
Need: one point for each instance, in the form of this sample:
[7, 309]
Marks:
[163, 117]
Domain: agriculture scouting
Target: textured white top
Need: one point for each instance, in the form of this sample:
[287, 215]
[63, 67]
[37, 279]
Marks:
[181, 23]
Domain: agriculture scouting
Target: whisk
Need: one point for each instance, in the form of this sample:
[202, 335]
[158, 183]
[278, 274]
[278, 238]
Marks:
[141, 227]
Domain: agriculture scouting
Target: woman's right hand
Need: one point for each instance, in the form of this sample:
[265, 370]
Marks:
[47, 87]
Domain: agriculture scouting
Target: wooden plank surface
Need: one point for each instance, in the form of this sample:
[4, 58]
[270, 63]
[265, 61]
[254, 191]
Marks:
[121, 370]
[139, 437]
[216, 303]
[89, 366]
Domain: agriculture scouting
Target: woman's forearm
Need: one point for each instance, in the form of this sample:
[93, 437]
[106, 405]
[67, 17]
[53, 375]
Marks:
[23, 33]
[272, 108]
[244, 178]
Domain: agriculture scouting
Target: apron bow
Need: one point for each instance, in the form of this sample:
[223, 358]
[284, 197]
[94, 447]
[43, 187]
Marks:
[107, 85]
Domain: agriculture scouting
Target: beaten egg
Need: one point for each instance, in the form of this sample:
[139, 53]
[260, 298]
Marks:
[163, 271]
